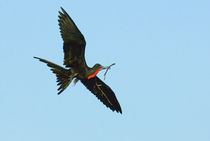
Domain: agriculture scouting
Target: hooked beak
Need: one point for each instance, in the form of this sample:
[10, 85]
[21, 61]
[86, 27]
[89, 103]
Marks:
[104, 67]
[107, 67]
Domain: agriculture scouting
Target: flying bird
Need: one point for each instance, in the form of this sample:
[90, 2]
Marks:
[76, 68]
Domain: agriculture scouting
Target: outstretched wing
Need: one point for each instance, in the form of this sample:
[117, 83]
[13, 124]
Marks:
[103, 92]
[74, 41]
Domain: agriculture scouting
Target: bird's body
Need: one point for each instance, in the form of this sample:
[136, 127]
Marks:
[77, 69]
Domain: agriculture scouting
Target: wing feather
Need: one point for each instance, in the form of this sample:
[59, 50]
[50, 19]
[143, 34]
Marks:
[103, 92]
[74, 41]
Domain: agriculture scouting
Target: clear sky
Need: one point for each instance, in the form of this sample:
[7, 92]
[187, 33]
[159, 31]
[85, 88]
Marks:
[161, 77]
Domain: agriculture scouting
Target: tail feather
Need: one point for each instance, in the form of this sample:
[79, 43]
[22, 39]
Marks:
[64, 76]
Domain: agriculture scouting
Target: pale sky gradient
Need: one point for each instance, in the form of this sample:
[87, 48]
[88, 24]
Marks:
[161, 77]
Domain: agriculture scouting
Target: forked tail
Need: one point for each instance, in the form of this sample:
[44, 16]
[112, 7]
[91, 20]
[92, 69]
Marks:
[64, 76]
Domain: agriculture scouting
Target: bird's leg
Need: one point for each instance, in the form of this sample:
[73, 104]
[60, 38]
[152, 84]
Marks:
[75, 81]
[107, 68]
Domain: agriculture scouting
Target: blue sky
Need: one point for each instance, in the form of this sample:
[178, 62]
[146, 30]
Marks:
[161, 77]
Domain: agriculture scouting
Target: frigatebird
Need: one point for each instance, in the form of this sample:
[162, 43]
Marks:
[76, 67]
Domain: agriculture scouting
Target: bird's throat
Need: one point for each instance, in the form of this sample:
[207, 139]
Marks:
[93, 75]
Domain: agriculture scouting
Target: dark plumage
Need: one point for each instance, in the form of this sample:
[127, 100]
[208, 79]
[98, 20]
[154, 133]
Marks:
[74, 60]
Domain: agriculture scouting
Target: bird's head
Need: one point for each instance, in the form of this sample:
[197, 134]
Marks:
[96, 68]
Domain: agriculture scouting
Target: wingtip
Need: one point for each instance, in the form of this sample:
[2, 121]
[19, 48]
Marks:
[61, 8]
[60, 11]
[116, 108]
[64, 12]
[119, 110]
[36, 57]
